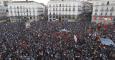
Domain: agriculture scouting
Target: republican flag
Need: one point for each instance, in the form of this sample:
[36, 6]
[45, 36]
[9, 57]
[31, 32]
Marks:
[98, 27]
[100, 17]
[110, 18]
[105, 28]
[94, 17]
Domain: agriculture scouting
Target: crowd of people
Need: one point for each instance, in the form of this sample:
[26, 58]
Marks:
[45, 41]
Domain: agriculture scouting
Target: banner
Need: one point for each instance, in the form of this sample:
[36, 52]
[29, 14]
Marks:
[75, 38]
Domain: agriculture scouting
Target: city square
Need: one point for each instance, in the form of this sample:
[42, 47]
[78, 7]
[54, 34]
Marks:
[60, 30]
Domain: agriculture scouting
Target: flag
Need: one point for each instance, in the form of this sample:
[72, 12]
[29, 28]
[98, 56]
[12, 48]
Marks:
[94, 17]
[111, 18]
[75, 38]
[105, 28]
[100, 18]
[98, 27]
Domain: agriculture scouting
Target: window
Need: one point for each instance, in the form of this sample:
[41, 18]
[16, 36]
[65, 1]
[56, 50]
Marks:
[105, 14]
[56, 5]
[56, 9]
[73, 17]
[50, 19]
[33, 10]
[53, 13]
[74, 6]
[110, 14]
[69, 9]
[53, 9]
[107, 9]
[112, 9]
[74, 9]
[7, 11]
[53, 16]
[108, 3]
[11, 11]
[63, 9]
[96, 10]
[66, 9]
[101, 14]
[95, 14]
[79, 9]
[17, 7]
[102, 4]
[14, 11]
[18, 13]
[60, 5]
[27, 10]
[69, 5]
[69, 17]
[53, 5]
[50, 13]
[66, 6]
[49, 5]
[101, 10]
[60, 9]
[10, 6]
[21, 7]
[63, 5]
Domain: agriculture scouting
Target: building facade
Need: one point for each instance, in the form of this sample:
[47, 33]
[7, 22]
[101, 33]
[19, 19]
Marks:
[87, 7]
[2, 11]
[93, 1]
[3, 1]
[103, 12]
[64, 9]
[29, 10]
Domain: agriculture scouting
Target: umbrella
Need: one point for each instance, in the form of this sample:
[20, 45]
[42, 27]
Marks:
[106, 41]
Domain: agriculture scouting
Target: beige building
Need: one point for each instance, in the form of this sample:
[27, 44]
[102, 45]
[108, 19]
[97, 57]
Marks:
[65, 9]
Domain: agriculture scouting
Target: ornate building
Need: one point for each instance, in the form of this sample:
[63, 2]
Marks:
[64, 9]
[28, 10]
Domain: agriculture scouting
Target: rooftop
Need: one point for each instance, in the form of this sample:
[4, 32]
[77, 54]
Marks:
[22, 1]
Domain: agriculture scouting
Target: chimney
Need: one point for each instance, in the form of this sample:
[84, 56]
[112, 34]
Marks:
[27, 0]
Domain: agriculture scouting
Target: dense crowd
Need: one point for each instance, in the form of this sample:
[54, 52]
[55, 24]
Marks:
[45, 41]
